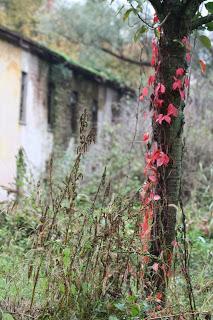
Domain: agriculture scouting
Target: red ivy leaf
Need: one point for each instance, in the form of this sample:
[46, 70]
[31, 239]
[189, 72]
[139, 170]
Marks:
[188, 57]
[182, 94]
[155, 20]
[162, 160]
[160, 89]
[167, 118]
[151, 80]
[187, 82]
[180, 72]
[158, 103]
[146, 137]
[202, 66]
[159, 296]
[177, 84]
[160, 118]
[172, 110]
[153, 179]
[145, 92]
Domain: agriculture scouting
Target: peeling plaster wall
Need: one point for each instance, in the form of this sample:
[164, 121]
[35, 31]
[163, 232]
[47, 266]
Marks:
[34, 137]
[88, 91]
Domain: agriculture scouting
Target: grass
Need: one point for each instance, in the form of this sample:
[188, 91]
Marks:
[67, 256]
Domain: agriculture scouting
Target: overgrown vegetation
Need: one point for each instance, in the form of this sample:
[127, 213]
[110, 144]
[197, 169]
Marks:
[71, 250]
[70, 245]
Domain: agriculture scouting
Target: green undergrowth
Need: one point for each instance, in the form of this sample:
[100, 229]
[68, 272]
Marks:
[71, 250]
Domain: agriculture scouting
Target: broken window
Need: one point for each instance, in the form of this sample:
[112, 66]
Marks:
[22, 111]
[73, 103]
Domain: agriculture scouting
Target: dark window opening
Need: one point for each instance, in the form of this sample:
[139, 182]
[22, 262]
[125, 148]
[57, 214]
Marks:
[50, 104]
[22, 111]
[73, 103]
[94, 114]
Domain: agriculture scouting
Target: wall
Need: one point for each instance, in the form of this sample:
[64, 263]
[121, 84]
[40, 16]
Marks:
[34, 136]
[88, 91]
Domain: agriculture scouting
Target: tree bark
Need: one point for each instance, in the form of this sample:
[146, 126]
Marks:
[172, 55]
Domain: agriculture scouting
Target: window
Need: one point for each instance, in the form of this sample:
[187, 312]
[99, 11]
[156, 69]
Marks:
[22, 111]
[50, 100]
[94, 114]
[73, 103]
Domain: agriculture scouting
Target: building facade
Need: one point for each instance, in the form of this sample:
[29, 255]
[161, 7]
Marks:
[42, 95]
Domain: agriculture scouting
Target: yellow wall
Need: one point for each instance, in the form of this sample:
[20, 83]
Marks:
[10, 70]
[34, 137]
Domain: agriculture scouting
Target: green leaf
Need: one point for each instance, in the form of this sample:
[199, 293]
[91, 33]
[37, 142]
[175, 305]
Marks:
[126, 14]
[135, 310]
[139, 33]
[206, 42]
[209, 6]
[210, 26]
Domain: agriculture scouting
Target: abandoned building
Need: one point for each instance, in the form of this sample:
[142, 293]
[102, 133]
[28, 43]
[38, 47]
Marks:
[42, 95]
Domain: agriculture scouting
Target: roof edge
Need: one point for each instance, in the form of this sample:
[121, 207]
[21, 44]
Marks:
[57, 58]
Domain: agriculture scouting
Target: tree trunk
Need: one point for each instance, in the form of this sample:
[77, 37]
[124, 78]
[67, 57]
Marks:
[172, 55]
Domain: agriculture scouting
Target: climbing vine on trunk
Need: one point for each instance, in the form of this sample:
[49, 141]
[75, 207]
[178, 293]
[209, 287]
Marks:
[167, 90]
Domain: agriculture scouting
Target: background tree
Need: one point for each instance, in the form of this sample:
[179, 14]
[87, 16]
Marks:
[20, 15]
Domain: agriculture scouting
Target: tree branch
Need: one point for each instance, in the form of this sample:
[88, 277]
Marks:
[199, 22]
[126, 59]
[108, 51]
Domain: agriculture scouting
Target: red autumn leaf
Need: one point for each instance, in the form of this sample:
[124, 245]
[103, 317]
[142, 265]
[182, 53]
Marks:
[145, 92]
[177, 84]
[158, 103]
[155, 20]
[186, 42]
[153, 60]
[156, 197]
[163, 159]
[202, 66]
[151, 80]
[187, 82]
[146, 137]
[153, 179]
[182, 94]
[160, 118]
[146, 259]
[160, 89]
[159, 296]
[180, 72]
[167, 118]
[188, 57]
[172, 110]
[155, 266]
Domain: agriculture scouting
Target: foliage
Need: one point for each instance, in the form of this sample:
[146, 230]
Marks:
[20, 15]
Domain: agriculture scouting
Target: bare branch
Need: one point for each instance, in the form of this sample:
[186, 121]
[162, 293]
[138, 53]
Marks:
[108, 51]
[126, 59]
[201, 21]
[152, 27]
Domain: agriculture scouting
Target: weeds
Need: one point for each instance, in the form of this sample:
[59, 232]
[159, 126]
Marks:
[65, 256]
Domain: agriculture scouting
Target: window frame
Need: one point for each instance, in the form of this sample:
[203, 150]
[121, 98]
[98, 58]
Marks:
[23, 99]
